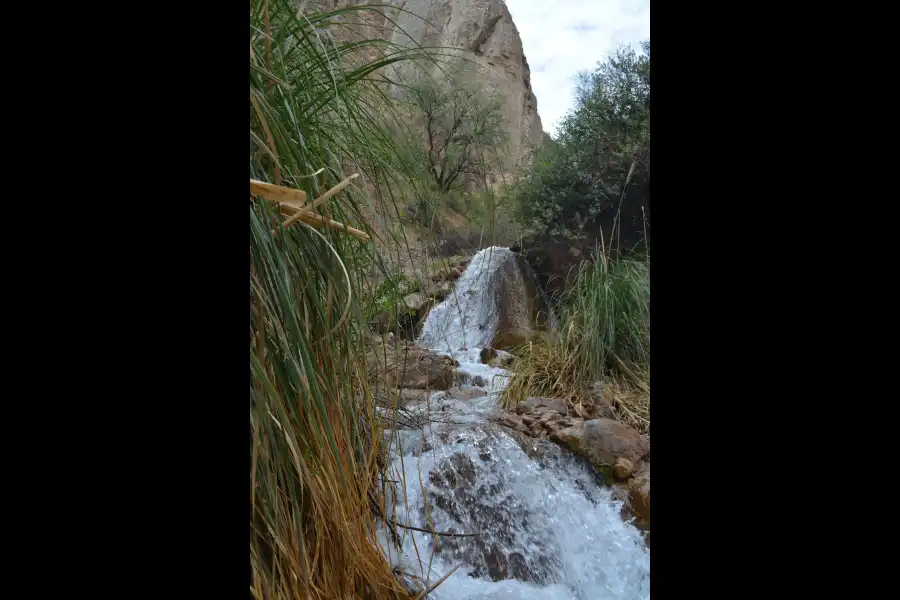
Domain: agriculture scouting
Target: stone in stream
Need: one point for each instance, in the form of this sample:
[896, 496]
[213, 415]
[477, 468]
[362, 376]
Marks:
[411, 366]
[603, 442]
[487, 353]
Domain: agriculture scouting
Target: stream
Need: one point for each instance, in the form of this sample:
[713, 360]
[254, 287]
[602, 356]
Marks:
[530, 520]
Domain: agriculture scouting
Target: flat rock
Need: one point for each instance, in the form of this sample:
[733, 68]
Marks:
[550, 403]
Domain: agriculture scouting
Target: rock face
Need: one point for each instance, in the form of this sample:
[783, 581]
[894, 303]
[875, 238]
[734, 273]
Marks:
[603, 442]
[525, 312]
[484, 29]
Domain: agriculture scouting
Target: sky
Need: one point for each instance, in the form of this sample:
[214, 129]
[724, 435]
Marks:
[563, 37]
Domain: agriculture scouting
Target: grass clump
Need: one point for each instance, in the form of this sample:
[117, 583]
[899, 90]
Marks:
[604, 336]
[315, 455]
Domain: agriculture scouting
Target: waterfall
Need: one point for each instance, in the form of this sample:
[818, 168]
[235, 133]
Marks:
[544, 529]
[468, 317]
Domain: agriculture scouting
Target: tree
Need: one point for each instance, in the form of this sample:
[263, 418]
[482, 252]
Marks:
[592, 183]
[596, 174]
[462, 128]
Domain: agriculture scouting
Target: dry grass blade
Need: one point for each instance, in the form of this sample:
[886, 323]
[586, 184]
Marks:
[434, 585]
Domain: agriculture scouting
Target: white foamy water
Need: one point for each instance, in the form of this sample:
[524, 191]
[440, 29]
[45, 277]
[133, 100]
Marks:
[547, 530]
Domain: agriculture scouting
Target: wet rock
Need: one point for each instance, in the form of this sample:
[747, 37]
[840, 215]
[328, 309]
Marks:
[511, 420]
[623, 468]
[467, 393]
[502, 360]
[487, 354]
[603, 442]
[478, 381]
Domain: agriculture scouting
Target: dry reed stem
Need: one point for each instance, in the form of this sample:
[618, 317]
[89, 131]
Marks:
[319, 201]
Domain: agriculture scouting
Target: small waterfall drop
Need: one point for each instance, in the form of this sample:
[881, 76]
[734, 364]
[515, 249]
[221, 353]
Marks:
[545, 529]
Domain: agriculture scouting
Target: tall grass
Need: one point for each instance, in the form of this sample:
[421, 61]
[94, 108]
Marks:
[604, 335]
[607, 313]
[315, 456]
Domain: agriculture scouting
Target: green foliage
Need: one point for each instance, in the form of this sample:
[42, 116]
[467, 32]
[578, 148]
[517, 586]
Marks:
[592, 183]
[607, 315]
[388, 296]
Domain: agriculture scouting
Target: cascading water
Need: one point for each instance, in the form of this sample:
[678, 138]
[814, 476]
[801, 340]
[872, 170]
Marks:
[544, 529]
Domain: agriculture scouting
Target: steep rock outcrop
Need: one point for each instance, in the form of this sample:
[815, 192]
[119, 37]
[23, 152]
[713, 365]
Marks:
[484, 29]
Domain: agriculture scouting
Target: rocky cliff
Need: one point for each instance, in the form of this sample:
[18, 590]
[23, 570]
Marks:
[485, 32]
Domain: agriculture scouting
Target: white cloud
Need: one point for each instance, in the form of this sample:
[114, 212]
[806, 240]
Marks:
[563, 37]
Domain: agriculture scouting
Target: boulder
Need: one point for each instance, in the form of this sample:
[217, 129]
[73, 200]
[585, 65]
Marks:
[603, 442]
[501, 359]
[487, 354]
[411, 366]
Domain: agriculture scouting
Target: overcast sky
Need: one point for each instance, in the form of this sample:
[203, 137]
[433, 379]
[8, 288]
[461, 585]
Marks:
[562, 37]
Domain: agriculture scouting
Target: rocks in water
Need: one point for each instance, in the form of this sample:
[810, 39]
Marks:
[603, 441]
[502, 360]
[511, 420]
[487, 353]
[474, 494]
[537, 417]
[466, 393]
[478, 381]
[400, 365]
[623, 468]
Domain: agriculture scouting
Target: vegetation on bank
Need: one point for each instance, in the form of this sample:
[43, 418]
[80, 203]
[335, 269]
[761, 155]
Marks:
[587, 196]
[604, 335]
